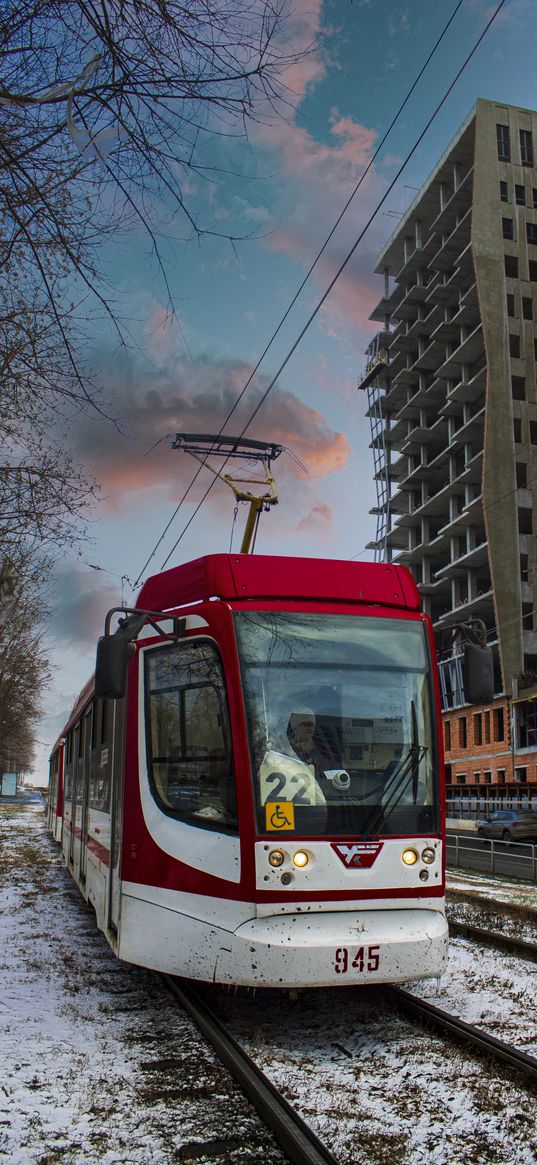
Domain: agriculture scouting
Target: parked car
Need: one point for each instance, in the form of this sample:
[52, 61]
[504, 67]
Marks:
[510, 825]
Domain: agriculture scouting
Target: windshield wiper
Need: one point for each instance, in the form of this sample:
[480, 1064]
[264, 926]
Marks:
[409, 766]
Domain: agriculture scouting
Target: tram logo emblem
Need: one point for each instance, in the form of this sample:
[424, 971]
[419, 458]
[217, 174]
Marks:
[357, 854]
[279, 815]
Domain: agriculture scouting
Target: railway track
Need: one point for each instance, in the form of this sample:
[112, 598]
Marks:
[517, 911]
[514, 946]
[298, 1142]
[465, 1033]
[300, 1145]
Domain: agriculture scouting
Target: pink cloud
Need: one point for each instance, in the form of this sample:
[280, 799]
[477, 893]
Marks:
[303, 35]
[161, 330]
[197, 397]
[319, 518]
[301, 154]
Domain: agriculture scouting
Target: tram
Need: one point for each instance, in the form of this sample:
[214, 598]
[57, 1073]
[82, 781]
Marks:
[250, 790]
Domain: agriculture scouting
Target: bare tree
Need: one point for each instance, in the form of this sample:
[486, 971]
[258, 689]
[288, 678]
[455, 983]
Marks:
[103, 105]
[23, 663]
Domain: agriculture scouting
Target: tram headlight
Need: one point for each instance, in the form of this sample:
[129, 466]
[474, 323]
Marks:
[409, 857]
[276, 858]
[301, 858]
[428, 855]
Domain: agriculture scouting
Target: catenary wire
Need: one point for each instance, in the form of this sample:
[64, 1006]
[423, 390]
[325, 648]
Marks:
[349, 255]
[362, 178]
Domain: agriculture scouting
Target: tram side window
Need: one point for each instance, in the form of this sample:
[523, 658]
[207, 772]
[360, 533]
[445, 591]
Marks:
[99, 795]
[68, 780]
[188, 738]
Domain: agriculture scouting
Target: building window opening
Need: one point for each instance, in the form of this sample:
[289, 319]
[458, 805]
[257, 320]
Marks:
[531, 232]
[504, 192]
[527, 307]
[511, 267]
[525, 520]
[518, 387]
[526, 147]
[514, 345]
[462, 732]
[504, 143]
[511, 306]
[447, 736]
[527, 616]
[520, 195]
[499, 725]
[478, 728]
[508, 228]
[521, 475]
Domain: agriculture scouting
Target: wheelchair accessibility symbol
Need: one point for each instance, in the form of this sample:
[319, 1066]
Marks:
[279, 815]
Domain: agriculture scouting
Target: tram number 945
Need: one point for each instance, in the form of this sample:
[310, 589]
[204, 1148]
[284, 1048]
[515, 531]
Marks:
[364, 959]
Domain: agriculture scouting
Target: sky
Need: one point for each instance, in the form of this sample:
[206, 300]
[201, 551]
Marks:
[282, 191]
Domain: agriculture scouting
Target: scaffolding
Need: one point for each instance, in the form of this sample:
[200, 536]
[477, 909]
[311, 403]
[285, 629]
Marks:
[373, 382]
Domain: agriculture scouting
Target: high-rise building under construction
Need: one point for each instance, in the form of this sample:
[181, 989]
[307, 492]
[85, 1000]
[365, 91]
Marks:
[452, 398]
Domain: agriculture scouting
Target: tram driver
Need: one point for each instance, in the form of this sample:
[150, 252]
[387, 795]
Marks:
[295, 769]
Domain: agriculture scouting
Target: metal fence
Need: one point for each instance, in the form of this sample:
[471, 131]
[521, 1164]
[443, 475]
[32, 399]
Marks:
[473, 808]
[511, 859]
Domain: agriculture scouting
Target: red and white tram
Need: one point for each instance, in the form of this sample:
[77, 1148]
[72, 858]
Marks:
[253, 783]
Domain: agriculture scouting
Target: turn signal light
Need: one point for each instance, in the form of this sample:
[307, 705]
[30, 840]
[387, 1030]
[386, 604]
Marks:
[276, 858]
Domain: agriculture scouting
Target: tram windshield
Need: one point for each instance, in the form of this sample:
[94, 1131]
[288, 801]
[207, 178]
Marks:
[340, 718]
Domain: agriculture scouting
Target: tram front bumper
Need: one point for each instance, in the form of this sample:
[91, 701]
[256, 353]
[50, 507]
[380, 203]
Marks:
[335, 949]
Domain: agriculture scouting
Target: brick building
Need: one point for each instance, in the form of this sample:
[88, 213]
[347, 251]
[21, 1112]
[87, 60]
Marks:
[452, 399]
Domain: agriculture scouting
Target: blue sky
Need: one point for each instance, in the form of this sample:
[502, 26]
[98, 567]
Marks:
[283, 188]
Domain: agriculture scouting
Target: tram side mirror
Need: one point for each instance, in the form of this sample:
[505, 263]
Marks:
[111, 667]
[478, 674]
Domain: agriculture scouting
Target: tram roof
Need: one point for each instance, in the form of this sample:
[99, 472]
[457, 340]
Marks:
[259, 576]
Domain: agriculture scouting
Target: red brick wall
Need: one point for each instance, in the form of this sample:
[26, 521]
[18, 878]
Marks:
[486, 755]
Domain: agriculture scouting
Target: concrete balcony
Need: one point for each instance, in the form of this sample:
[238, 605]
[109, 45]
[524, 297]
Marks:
[480, 607]
[459, 566]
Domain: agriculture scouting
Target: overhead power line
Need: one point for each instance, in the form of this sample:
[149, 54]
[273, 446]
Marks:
[343, 265]
[301, 287]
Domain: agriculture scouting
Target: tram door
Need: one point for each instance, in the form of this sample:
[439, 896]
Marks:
[116, 811]
[75, 792]
[87, 732]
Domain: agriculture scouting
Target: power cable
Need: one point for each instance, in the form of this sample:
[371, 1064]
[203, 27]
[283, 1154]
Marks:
[309, 272]
[325, 295]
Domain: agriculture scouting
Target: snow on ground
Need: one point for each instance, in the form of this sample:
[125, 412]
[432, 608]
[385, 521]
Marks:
[496, 992]
[482, 886]
[391, 1091]
[97, 1065]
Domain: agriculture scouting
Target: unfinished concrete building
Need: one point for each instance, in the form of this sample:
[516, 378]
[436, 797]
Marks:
[452, 399]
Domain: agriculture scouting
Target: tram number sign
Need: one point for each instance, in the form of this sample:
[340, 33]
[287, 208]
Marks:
[363, 959]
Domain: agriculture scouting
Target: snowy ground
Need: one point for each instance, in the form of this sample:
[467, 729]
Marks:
[97, 1065]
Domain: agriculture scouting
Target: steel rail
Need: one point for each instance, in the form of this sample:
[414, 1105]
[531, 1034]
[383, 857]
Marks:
[298, 1142]
[509, 909]
[516, 946]
[466, 1033]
